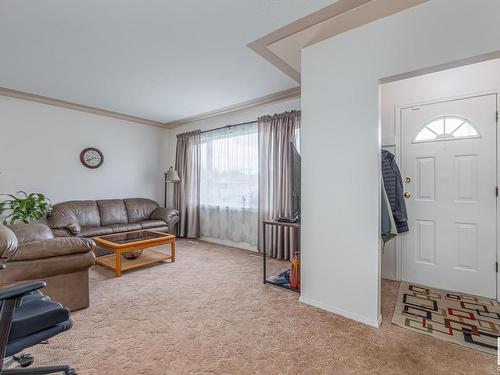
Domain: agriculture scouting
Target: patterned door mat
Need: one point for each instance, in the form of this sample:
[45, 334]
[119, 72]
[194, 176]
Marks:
[460, 318]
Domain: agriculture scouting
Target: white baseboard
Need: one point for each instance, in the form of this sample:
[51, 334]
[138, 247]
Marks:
[346, 314]
[239, 245]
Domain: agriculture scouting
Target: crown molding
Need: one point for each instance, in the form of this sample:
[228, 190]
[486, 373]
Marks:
[261, 49]
[77, 107]
[446, 66]
[260, 46]
[323, 24]
[277, 96]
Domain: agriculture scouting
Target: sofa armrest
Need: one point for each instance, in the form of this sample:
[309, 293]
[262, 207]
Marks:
[8, 242]
[62, 232]
[168, 215]
[31, 232]
[65, 222]
[53, 248]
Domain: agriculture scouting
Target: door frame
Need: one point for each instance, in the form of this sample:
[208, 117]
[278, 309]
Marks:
[398, 141]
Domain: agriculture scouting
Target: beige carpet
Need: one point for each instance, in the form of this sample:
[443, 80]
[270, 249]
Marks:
[208, 313]
[460, 318]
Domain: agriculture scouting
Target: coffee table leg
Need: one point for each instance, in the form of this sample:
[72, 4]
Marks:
[118, 263]
[172, 251]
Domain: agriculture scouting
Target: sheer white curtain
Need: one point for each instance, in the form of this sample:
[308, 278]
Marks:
[229, 184]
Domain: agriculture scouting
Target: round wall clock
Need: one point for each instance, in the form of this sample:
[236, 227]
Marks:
[91, 157]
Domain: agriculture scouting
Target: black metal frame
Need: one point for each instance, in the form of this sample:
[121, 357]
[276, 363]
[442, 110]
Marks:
[219, 128]
[165, 199]
[292, 226]
[9, 299]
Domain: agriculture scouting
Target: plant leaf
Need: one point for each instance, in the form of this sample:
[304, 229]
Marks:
[31, 206]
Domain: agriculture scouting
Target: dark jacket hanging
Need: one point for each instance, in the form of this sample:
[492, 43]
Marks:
[394, 189]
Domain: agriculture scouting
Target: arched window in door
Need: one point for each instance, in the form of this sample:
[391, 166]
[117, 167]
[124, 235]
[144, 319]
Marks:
[446, 128]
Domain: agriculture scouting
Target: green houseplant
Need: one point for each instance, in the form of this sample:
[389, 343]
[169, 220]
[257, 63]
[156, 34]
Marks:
[26, 208]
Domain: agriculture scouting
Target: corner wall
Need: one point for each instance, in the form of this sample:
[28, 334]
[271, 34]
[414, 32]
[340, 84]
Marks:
[341, 140]
[40, 149]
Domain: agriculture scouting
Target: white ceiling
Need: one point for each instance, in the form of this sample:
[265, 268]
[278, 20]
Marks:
[158, 59]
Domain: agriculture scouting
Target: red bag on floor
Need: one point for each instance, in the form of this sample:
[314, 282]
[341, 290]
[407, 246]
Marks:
[295, 271]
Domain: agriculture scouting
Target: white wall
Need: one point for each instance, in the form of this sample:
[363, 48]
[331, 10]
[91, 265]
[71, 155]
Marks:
[451, 83]
[341, 139]
[41, 145]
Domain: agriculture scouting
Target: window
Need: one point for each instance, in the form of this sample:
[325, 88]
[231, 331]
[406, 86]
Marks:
[446, 128]
[229, 167]
[229, 185]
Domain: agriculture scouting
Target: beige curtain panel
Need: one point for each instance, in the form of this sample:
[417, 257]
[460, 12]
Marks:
[275, 135]
[187, 192]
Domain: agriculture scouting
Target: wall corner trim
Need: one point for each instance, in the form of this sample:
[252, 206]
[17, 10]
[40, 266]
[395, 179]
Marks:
[356, 13]
[362, 319]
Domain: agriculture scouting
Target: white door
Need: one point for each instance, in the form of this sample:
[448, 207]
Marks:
[449, 168]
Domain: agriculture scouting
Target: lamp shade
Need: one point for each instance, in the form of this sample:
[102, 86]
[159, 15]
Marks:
[172, 176]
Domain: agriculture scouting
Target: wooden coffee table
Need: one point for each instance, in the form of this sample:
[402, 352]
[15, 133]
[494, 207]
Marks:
[120, 243]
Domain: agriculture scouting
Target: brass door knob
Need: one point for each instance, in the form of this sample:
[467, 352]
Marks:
[407, 195]
[407, 180]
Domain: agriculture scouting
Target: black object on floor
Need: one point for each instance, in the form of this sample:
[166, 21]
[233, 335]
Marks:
[282, 279]
[28, 318]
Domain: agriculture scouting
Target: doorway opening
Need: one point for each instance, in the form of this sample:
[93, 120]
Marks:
[442, 128]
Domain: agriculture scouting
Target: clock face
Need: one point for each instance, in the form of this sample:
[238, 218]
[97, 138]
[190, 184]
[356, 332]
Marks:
[91, 158]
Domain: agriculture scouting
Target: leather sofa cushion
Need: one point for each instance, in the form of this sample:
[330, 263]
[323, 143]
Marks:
[164, 229]
[8, 242]
[112, 211]
[145, 224]
[53, 248]
[86, 213]
[139, 209]
[125, 227]
[31, 232]
[92, 231]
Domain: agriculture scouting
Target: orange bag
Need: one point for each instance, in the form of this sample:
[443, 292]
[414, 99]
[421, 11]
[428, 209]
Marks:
[295, 271]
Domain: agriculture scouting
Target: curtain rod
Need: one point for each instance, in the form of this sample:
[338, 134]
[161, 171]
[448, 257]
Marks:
[230, 126]
[241, 123]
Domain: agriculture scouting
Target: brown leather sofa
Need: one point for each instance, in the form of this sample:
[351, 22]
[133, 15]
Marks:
[35, 254]
[96, 218]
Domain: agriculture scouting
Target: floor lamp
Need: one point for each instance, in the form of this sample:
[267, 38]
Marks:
[171, 176]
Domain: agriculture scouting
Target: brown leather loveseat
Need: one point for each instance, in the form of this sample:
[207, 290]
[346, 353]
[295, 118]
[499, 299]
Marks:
[97, 218]
[34, 254]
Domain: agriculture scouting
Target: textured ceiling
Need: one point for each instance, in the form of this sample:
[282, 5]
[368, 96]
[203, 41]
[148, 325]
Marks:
[161, 60]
